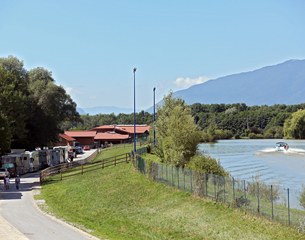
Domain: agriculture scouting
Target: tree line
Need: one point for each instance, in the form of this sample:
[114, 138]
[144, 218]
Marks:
[222, 121]
[33, 109]
[219, 121]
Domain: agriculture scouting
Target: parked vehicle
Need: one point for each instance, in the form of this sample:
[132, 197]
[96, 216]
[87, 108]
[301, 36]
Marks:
[79, 150]
[11, 168]
[4, 173]
[86, 147]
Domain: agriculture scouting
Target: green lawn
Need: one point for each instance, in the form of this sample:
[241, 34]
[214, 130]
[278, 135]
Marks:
[119, 203]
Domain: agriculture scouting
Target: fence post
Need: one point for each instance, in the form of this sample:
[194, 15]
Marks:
[82, 169]
[245, 192]
[173, 175]
[191, 180]
[288, 206]
[60, 174]
[126, 158]
[272, 210]
[178, 170]
[183, 179]
[206, 184]
[224, 189]
[258, 203]
[233, 189]
[214, 181]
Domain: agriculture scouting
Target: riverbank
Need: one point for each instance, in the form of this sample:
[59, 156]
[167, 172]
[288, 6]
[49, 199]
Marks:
[126, 205]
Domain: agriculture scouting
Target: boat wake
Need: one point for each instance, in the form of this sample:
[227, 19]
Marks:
[298, 151]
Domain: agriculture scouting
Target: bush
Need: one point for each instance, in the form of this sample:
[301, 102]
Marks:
[255, 136]
[205, 164]
[302, 197]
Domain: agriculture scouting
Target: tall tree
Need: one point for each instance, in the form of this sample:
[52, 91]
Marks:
[14, 97]
[51, 106]
[294, 127]
[177, 134]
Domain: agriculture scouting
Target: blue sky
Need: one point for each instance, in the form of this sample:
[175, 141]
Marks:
[92, 46]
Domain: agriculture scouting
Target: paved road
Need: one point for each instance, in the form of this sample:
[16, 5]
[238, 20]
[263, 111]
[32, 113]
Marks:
[20, 217]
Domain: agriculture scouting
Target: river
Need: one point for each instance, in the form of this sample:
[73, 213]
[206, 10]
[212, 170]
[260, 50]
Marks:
[245, 159]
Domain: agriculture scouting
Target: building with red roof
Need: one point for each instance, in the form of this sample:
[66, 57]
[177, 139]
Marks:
[83, 137]
[64, 140]
[107, 134]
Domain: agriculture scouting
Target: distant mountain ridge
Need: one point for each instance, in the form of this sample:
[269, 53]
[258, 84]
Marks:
[283, 83]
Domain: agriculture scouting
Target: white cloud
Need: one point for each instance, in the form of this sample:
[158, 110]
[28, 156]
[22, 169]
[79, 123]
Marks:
[185, 82]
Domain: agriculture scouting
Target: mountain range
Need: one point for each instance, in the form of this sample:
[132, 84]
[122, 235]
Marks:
[283, 83]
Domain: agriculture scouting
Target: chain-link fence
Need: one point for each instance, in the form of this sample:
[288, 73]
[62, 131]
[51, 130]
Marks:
[271, 201]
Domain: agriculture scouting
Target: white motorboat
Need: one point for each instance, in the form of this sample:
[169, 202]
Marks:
[281, 146]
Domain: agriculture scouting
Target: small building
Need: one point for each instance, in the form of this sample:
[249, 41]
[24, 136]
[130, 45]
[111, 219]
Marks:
[83, 137]
[105, 138]
[65, 140]
[142, 131]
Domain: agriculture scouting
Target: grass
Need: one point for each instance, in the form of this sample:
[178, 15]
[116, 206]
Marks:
[119, 203]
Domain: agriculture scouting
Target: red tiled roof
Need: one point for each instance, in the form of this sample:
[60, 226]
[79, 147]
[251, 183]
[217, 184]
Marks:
[66, 137]
[104, 127]
[130, 128]
[81, 133]
[123, 128]
[110, 136]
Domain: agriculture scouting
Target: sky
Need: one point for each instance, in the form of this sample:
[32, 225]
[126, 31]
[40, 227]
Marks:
[92, 46]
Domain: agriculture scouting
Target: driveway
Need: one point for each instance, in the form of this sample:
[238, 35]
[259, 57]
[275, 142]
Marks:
[20, 218]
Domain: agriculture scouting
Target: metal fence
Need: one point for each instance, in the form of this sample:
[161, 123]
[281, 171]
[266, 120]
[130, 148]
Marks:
[271, 201]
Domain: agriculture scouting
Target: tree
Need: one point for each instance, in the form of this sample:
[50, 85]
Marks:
[51, 106]
[177, 134]
[294, 127]
[5, 133]
[13, 97]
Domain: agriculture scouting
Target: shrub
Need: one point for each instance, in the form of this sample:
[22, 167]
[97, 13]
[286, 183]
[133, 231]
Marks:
[302, 197]
[206, 164]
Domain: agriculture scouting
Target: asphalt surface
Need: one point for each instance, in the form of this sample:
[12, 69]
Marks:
[20, 217]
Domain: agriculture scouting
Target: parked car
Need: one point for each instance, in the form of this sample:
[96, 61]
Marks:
[86, 147]
[4, 173]
[11, 168]
[79, 150]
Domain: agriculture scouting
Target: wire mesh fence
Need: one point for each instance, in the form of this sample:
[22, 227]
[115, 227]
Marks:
[271, 201]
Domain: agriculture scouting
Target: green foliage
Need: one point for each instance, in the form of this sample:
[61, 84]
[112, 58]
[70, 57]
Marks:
[32, 104]
[206, 164]
[242, 120]
[258, 188]
[5, 133]
[302, 197]
[294, 127]
[274, 132]
[177, 134]
[255, 136]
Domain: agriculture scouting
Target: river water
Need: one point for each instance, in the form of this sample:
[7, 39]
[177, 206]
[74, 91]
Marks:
[245, 159]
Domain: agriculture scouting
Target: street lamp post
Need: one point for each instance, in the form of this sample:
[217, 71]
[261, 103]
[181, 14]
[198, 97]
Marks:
[154, 116]
[134, 112]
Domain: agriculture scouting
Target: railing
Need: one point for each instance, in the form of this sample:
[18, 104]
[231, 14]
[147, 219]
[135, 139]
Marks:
[65, 166]
[270, 201]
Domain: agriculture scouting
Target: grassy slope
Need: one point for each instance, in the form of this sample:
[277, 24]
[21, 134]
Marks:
[119, 203]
